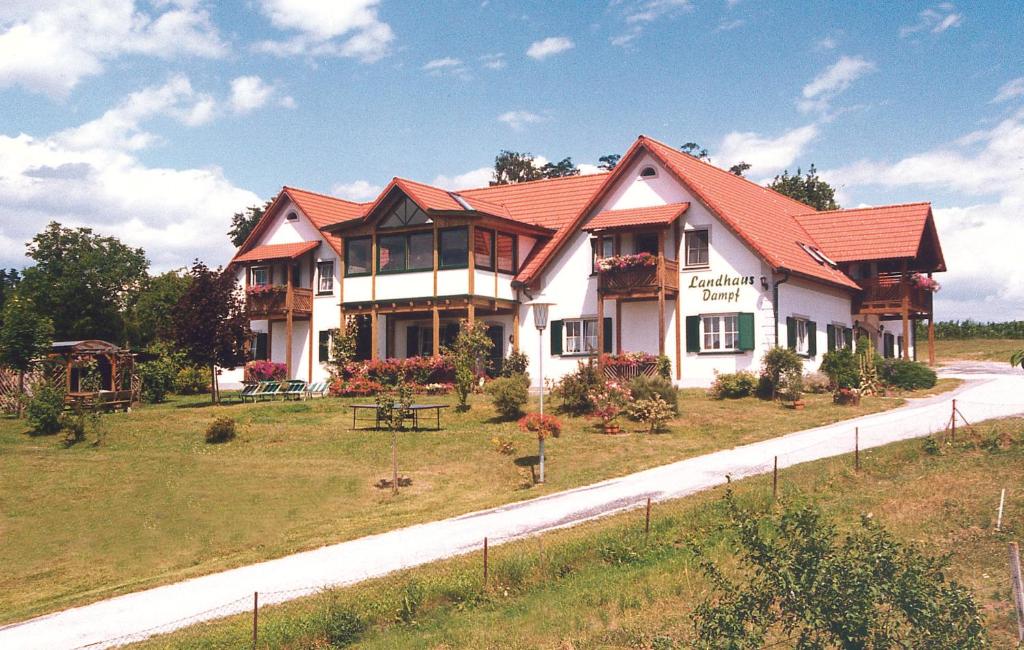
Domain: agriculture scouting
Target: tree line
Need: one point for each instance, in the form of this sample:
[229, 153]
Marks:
[972, 329]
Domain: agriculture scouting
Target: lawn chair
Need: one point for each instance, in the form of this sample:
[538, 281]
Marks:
[317, 388]
[295, 388]
[249, 391]
[269, 389]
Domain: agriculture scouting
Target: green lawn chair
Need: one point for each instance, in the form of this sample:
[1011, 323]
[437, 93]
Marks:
[295, 388]
[249, 391]
[269, 389]
[317, 388]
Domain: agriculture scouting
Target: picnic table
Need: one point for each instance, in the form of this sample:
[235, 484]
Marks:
[413, 413]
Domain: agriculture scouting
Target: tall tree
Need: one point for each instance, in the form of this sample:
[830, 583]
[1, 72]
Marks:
[8, 283]
[739, 168]
[83, 282]
[695, 150]
[210, 323]
[807, 188]
[243, 222]
[151, 314]
[560, 169]
[609, 162]
[25, 336]
[514, 167]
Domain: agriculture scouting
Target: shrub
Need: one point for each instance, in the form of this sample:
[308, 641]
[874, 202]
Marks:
[192, 380]
[817, 382]
[74, 426]
[609, 400]
[158, 378]
[733, 385]
[646, 388]
[220, 430]
[503, 445]
[791, 385]
[654, 412]
[509, 395]
[515, 363]
[265, 371]
[355, 387]
[842, 369]
[545, 426]
[469, 357]
[664, 366]
[45, 408]
[343, 626]
[775, 363]
[574, 389]
[906, 375]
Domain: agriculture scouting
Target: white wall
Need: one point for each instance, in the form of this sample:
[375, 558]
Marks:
[816, 302]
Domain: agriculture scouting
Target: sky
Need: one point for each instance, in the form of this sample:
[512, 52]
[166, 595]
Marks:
[156, 120]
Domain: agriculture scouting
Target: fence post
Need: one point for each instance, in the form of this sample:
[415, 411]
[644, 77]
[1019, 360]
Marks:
[255, 616]
[856, 449]
[1018, 589]
[952, 418]
[775, 479]
[485, 563]
[999, 518]
[647, 520]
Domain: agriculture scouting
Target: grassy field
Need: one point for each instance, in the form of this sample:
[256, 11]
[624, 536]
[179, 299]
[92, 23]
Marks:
[154, 504]
[602, 585]
[977, 349]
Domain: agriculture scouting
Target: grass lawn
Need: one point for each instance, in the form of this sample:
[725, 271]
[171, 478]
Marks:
[154, 504]
[977, 349]
[602, 585]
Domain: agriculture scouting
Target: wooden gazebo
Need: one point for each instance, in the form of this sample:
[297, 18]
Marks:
[94, 368]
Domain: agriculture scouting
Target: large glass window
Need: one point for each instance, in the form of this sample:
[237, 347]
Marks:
[405, 213]
[421, 251]
[506, 253]
[391, 253]
[696, 248]
[721, 332]
[483, 248]
[259, 346]
[802, 341]
[454, 248]
[324, 348]
[580, 336]
[408, 252]
[325, 277]
[261, 276]
[357, 256]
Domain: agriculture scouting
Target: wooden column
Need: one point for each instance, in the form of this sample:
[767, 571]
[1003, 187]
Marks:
[342, 325]
[905, 311]
[289, 296]
[312, 305]
[471, 313]
[515, 327]
[661, 293]
[374, 339]
[600, 324]
[437, 330]
[931, 339]
[618, 325]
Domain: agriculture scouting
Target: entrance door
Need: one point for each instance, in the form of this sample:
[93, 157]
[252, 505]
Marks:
[497, 356]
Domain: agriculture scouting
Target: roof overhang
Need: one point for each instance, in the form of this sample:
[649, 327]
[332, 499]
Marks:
[661, 216]
[275, 252]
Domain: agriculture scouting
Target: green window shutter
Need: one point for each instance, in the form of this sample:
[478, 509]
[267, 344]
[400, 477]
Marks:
[746, 331]
[830, 330]
[791, 333]
[260, 353]
[412, 340]
[693, 333]
[556, 337]
[812, 339]
[607, 325]
[849, 338]
[887, 345]
[325, 346]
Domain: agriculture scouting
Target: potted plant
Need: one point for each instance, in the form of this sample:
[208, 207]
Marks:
[624, 262]
[609, 401]
[791, 388]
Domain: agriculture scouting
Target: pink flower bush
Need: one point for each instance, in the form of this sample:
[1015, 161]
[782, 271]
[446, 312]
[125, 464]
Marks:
[609, 400]
[630, 359]
[623, 262]
[263, 289]
[265, 371]
[924, 282]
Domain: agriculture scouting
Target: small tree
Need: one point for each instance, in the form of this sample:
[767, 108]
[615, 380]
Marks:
[609, 162]
[807, 188]
[393, 409]
[24, 337]
[210, 323]
[1017, 359]
[469, 354]
[802, 586]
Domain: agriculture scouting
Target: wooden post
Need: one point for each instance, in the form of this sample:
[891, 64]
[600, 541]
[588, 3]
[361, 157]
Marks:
[600, 325]
[999, 517]
[905, 311]
[856, 449]
[289, 296]
[515, 326]
[1018, 588]
[775, 479]
[255, 616]
[374, 338]
[952, 419]
[485, 563]
[436, 343]
[471, 312]
[661, 293]
[931, 339]
[647, 520]
[618, 325]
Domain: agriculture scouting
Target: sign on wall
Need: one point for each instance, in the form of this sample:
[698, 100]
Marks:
[725, 288]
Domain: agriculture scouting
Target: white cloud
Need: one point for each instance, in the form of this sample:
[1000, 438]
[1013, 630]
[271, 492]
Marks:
[440, 64]
[493, 61]
[249, 93]
[480, 177]
[729, 25]
[349, 29]
[586, 169]
[637, 14]
[552, 45]
[51, 45]
[360, 190]
[826, 43]
[765, 155]
[1009, 90]
[980, 226]
[518, 120]
[935, 19]
[817, 95]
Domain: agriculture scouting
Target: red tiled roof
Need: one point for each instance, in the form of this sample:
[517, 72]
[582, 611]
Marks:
[269, 252]
[878, 233]
[325, 210]
[661, 215]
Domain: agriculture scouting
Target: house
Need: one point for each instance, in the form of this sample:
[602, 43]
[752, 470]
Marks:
[666, 254]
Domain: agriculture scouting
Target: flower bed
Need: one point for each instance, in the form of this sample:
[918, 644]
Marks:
[624, 262]
[355, 387]
[264, 371]
[413, 370]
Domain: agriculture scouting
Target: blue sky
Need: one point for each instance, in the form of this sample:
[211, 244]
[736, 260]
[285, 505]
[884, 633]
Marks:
[155, 120]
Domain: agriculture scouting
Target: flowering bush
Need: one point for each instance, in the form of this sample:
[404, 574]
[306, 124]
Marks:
[265, 370]
[623, 262]
[609, 400]
[414, 370]
[355, 387]
[654, 412]
[924, 282]
[628, 359]
[264, 289]
[545, 426]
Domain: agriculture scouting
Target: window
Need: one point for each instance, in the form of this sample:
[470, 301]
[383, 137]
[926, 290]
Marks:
[506, 253]
[357, 256]
[645, 242]
[259, 346]
[391, 253]
[580, 336]
[648, 172]
[802, 340]
[325, 277]
[408, 252]
[697, 248]
[483, 248]
[260, 276]
[421, 251]
[841, 341]
[600, 247]
[292, 217]
[325, 346]
[453, 248]
[296, 275]
[419, 341]
[405, 213]
[720, 333]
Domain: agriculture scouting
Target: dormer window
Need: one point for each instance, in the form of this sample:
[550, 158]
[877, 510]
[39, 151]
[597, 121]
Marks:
[292, 217]
[648, 172]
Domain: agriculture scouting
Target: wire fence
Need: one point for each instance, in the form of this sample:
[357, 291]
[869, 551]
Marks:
[768, 457]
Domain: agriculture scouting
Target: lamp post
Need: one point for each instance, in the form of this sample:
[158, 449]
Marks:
[540, 321]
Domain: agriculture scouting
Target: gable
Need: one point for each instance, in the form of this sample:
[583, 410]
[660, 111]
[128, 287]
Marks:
[276, 229]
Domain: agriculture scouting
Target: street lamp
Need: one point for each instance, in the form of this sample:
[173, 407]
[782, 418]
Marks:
[540, 320]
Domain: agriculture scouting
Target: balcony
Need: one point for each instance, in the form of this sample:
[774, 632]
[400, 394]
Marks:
[275, 302]
[639, 281]
[884, 295]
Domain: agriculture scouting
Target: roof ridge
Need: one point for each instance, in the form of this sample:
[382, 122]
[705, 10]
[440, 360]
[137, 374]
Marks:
[326, 196]
[868, 207]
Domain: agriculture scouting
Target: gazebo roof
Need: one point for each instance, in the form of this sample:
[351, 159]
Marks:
[88, 346]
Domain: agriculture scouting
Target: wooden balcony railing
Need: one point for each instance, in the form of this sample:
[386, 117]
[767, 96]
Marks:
[638, 280]
[884, 295]
[275, 302]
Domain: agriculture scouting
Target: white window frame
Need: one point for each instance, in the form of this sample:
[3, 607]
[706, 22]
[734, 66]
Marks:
[580, 341]
[717, 331]
[686, 250]
[320, 277]
[264, 269]
[803, 342]
[840, 336]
